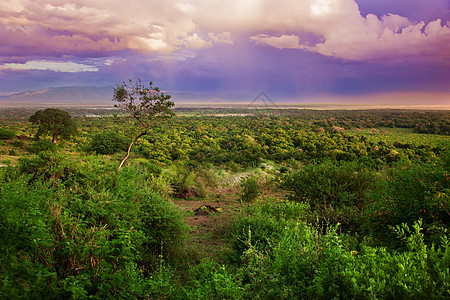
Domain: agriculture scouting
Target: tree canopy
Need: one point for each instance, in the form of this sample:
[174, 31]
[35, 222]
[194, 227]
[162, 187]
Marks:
[54, 122]
[144, 103]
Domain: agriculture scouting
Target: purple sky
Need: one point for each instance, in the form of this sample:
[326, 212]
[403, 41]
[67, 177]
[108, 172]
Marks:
[293, 50]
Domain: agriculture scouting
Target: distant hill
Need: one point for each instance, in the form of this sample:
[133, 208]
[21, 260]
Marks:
[82, 95]
[63, 95]
[73, 95]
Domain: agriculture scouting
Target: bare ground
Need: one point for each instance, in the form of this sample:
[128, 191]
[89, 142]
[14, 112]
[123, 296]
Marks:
[209, 235]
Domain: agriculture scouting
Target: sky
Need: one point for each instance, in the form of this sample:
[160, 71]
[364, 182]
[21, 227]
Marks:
[293, 50]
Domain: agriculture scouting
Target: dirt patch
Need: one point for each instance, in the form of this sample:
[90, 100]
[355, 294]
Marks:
[187, 194]
[210, 224]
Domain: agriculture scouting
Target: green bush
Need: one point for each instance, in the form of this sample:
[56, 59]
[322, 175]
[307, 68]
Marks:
[50, 166]
[404, 195]
[289, 268]
[184, 177]
[262, 224]
[67, 236]
[209, 280]
[42, 145]
[108, 143]
[250, 189]
[335, 191]
[305, 263]
[6, 134]
[157, 179]
[336, 184]
[298, 258]
[281, 257]
[56, 254]
[420, 272]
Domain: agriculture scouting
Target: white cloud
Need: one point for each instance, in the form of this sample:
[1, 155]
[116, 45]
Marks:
[281, 42]
[221, 38]
[44, 28]
[176, 56]
[196, 42]
[343, 32]
[69, 67]
[320, 7]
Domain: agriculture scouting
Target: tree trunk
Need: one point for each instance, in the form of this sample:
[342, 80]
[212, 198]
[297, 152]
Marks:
[129, 150]
[126, 157]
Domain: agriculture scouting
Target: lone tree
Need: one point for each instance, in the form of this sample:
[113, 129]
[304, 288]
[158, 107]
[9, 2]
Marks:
[144, 104]
[54, 122]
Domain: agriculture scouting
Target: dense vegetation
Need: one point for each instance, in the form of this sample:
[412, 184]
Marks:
[330, 204]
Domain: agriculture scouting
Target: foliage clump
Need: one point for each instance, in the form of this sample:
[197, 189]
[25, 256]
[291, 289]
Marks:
[336, 191]
[41, 145]
[262, 223]
[67, 233]
[293, 260]
[107, 143]
[406, 194]
[250, 189]
[6, 134]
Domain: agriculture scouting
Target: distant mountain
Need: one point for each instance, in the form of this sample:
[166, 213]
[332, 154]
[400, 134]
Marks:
[63, 95]
[103, 96]
[82, 95]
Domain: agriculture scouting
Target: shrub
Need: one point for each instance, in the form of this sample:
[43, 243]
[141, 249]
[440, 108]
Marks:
[406, 194]
[336, 184]
[108, 143]
[157, 179]
[420, 272]
[74, 238]
[159, 219]
[303, 263]
[288, 269]
[299, 256]
[250, 189]
[50, 166]
[42, 145]
[49, 252]
[335, 191]
[263, 223]
[184, 178]
[209, 280]
[6, 134]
